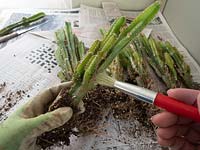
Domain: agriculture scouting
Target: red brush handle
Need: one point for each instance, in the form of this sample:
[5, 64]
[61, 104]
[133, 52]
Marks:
[177, 107]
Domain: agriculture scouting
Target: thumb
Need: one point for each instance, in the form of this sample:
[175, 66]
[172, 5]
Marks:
[51, 120]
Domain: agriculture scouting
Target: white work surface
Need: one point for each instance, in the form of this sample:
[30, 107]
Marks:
[28, 64]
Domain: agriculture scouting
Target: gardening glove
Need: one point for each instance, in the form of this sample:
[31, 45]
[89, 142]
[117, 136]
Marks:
[20, 130]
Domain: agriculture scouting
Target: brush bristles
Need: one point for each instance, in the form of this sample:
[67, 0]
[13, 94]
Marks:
[104, 79]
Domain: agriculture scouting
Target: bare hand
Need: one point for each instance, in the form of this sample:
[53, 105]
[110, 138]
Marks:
[177, 132]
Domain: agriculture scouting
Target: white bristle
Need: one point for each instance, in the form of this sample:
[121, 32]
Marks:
[104, 79]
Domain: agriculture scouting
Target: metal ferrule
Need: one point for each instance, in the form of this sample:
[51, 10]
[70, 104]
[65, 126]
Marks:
[136, 91]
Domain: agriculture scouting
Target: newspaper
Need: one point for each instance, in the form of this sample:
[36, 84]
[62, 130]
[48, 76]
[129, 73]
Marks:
[92, 19]
[160, 29]
[27, 66]
[111, 10]
[27, 61]
[92, 16]
[55, 19]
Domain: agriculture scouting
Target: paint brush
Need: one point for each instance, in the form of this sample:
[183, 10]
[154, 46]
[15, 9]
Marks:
[168, 103]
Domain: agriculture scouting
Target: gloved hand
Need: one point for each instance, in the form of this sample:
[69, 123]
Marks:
[20, 130]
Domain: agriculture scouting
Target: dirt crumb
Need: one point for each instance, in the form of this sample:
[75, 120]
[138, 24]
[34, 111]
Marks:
[2, 86]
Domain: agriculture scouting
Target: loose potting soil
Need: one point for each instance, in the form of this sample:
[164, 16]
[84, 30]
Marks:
[96, 103]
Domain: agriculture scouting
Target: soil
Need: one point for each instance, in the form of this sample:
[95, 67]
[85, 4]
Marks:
[2, 86]
[10, 98]
[97, 102]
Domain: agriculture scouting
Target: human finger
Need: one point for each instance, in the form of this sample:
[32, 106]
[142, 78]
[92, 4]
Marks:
[175, 143]
[193, 136]
[166, 119]
[172, 131]
[188, 96]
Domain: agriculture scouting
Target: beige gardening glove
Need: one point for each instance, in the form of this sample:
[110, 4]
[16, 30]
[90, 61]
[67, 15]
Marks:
[20, 130]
